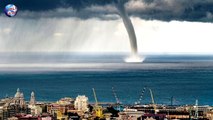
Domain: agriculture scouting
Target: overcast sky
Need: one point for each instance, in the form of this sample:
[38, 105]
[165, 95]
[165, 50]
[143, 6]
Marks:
[162, 26]
[190, 10]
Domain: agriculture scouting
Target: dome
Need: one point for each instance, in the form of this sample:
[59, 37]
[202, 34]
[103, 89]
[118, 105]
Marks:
[18, 94]
[22, 95]
[32, 94]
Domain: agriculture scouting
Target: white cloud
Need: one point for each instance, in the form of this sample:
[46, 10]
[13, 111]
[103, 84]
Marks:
[106, 8]
[138, 5]
[95, 35]
[173, 6]
[57, 34]
[6, 30]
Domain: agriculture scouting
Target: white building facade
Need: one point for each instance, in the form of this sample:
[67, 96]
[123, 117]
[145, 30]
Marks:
[81, 103]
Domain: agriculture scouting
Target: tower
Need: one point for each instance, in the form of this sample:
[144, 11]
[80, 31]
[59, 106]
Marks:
[196, 116]
[18, 93]
[32, 99]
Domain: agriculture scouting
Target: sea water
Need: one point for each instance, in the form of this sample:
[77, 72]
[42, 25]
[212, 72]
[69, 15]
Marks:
[53, 76]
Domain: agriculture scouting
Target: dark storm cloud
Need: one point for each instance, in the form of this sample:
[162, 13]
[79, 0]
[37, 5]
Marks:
[42, 5]
[189, 10]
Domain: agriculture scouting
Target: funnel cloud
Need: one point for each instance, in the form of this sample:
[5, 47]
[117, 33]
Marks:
[128, 25]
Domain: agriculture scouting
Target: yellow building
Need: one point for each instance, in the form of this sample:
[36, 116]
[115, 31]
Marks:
[61, 107]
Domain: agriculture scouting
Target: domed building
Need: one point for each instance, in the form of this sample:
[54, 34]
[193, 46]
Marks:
[19, 99]
[15, 105]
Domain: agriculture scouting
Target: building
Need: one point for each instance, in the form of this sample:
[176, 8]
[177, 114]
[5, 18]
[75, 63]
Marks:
[209, 115]
[60, 108]
[13, 118]
[1, 112]
[131, 114]
[30, 117]
[19, 99]
[13, 106]
[81, 103]
[153, 117]
[66, 101]
[32, 99]
[63, 105]
[36, 110]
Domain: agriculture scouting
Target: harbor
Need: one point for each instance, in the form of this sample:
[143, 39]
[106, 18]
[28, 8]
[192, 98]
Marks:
[80, 108]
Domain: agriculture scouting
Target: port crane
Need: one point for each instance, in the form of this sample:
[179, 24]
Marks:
[118, 103]
[98, 109]
[141, 96]
[153, 101]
